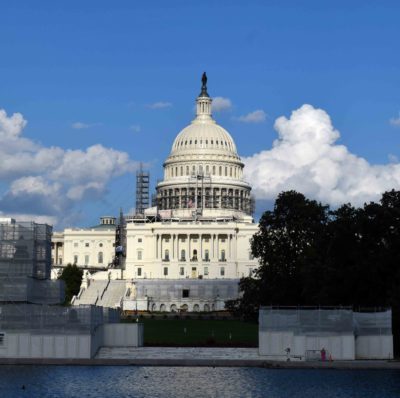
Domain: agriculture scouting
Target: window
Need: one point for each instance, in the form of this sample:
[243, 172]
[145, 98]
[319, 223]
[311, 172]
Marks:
[187, 170]
[166, 255]
[139, 272]
[223, 255]
[182, 271]
[183, 255]
[86, 244]
[100, 257]
[226, 171]
[205, 270]
[213, 170]
[220, 170]
[185, 293]
[165, 271]
[100, 245]
[2, 339]
[139, 255]
[86, 259]
[206, 255]
[139, 240]
[75, 259]
[222, 271]
[60, 260]
[194, 258]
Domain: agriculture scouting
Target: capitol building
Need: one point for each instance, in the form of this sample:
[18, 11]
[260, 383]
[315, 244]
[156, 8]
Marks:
[190, 249]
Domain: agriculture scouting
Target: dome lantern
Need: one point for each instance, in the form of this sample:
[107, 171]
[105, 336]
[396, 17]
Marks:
[203, 101]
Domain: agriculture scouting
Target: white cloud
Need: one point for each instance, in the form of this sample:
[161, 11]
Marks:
[257, 116]
[135, 127]
[220, 104]
[395, 121]
[81, 125]
[160, 105]
[51, 181]
[306, 158]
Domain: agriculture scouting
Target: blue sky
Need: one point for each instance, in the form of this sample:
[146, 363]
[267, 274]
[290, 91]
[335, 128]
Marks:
[102, 66]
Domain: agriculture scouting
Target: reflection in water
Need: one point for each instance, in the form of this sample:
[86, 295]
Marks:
[119, 381]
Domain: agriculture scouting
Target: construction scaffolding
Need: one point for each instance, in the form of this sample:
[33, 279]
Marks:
[200, 193]
[25, 264]
[25, 249]
[142, 190]
[55, 319]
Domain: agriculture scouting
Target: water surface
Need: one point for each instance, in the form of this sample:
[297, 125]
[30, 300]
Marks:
[125, 381]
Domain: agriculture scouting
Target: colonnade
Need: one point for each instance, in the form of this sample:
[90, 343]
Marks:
[208, 198]
[196, 243]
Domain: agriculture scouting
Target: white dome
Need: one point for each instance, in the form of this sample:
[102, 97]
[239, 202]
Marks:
[204, 136]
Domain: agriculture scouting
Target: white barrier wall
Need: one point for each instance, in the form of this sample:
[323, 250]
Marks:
[374, 347]
[274, 344]
[78, 346]
[25, 345]
[123, 335]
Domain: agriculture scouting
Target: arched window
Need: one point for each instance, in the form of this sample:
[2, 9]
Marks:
[194, 258]
[183, 255]
[100, 257]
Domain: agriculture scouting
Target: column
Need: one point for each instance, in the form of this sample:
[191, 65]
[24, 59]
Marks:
[201, 247]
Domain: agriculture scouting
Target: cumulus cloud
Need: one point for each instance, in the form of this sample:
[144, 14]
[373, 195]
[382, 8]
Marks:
[160, 105]
[257, 116]
[220, 104]
[306, 158]
[50, 181]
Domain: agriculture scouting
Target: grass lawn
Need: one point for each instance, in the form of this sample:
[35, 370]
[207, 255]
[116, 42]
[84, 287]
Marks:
[199, 332]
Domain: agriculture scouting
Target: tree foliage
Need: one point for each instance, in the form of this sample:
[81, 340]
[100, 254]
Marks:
[72, 276]
[312, 255]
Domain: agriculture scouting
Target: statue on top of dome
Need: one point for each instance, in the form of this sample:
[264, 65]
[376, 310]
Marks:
[204, 86]
[204, 80]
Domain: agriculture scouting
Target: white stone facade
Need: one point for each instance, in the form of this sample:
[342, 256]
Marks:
[178, 250]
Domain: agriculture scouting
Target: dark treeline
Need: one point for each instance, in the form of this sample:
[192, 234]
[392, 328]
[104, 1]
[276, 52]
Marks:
[312, 255]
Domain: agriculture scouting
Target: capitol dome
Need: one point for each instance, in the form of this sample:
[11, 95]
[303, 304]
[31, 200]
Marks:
[206, 152]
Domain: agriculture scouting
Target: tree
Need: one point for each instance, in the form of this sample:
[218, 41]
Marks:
[72, 276]
[290, 247]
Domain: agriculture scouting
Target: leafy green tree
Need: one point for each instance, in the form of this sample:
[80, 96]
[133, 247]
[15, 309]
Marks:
[72, 276]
